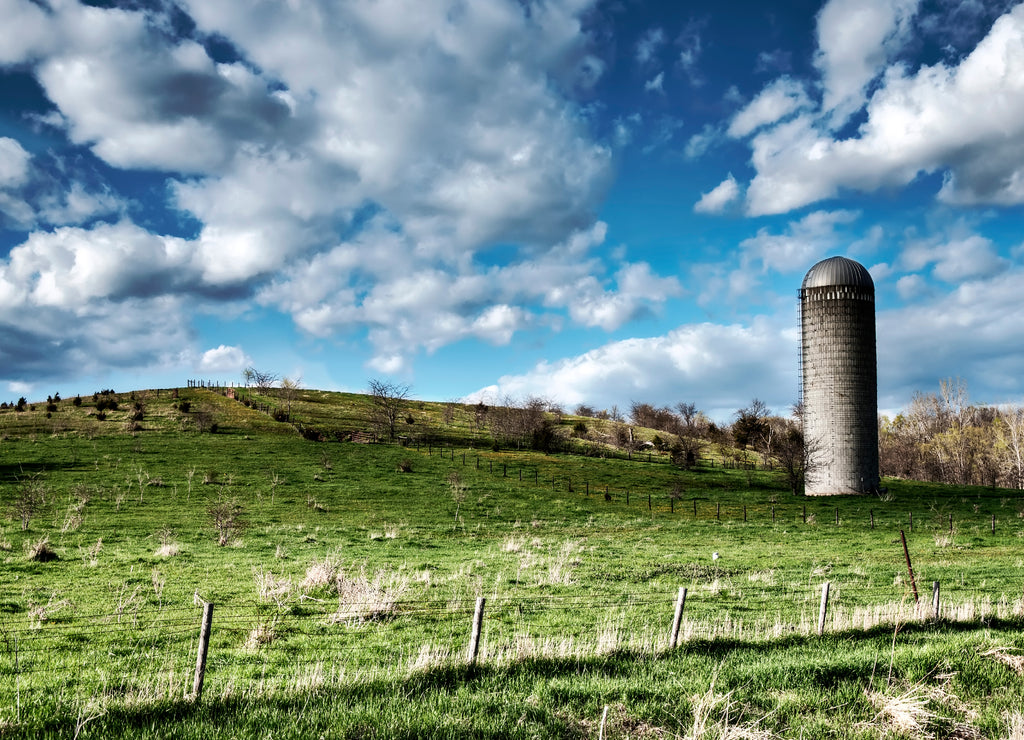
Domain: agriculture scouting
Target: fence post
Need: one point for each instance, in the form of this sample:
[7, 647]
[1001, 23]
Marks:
[911, 521]
[910, 568]
[805, 513]
[627, 497]
[678, 618]
[474, 638]
[648, 501]
[935, 599]
[204, 645]
[823, 610]
[872, 512]
[993, 524]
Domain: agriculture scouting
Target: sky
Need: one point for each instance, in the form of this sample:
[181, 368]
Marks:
[592, 201]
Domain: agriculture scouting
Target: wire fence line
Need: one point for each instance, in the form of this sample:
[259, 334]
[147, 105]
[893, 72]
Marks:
[257, 647]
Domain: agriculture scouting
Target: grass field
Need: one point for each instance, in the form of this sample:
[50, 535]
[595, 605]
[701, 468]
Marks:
[344, 577]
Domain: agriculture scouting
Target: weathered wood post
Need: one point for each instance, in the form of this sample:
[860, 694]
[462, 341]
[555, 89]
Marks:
[823, 610]
[677, 620]
[910, 568]
[204, 646]
[474, 637]
[872, 512]
[935, 600]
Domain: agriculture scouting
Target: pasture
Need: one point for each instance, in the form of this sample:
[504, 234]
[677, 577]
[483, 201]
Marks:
[344, 577]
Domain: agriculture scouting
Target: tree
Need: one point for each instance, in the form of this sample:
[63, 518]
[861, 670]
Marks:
[751, 427]
[289, 390]
[263, 380]
[388, 398]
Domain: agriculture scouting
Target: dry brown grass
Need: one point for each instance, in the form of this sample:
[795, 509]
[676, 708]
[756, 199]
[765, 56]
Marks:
[362, 599]
[1003, 655]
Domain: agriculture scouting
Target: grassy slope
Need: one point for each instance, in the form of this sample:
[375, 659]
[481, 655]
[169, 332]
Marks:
[598, 575]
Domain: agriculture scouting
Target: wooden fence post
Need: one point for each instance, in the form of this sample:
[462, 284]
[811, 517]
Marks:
[837, 516]
[993, 524]
[935, 599]
[823, 610]
[911, 521]
[204, 645]
[677, 620]
[805, 513]
[474, 638]
[910, 568]
[872, 512]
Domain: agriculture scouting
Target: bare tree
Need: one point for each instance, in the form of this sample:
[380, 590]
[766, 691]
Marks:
[289, 390]
[1011, 437]
[263, 380]
[388, 398]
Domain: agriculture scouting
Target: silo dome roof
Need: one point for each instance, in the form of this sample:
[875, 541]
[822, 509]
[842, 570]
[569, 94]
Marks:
[838, 271]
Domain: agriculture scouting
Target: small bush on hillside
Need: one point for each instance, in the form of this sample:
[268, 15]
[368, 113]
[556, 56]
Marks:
[41, 551]
[405, 465]
[226, 517]
[184, 406]
[76, 401]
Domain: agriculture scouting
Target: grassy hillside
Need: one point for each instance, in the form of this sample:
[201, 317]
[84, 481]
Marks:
[348, 574]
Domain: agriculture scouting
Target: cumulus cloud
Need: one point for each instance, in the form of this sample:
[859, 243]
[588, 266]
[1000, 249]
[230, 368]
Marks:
[778, 100]
[716, 199]
[966, 121]
[347, 165]
[803, 243]
[955, 260]
[223, 359]
[855, 39]
[709, 364]
[970, 332]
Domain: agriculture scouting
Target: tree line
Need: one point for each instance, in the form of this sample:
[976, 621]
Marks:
[943, 437]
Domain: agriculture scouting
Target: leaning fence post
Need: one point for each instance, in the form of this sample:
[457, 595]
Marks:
[204, 645]
[678, 618]
[824, 607]
[935, 599]
[474, 638]
[910, 568]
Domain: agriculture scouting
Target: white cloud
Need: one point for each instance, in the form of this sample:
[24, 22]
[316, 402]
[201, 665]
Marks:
[223, 359]
[13, 163]
[778, 100]
[955, 260]
[715, 200]
[855, 38]
[709, 364]
[966, 120]
[910, 287]
[802, 244]
[648, 45]
[972, 332]
[656, 84]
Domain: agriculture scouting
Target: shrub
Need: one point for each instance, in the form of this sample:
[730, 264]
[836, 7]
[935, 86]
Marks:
[41, 551]
[184, 406]
[405, 465]
[76, 401]
[226, 516]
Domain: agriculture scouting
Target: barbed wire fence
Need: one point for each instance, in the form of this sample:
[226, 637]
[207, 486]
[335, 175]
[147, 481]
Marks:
[264, 648]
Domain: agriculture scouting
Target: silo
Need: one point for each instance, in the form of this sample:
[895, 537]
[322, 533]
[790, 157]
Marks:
[839, 385]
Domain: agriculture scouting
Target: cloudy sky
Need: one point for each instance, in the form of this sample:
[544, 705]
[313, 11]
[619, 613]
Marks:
[595, 201]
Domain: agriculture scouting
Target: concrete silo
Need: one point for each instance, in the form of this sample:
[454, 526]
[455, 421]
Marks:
[839, 385]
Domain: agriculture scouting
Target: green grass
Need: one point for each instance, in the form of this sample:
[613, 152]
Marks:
[580, 589]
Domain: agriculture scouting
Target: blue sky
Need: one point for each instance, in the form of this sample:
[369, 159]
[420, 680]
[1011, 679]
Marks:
[597, 202]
